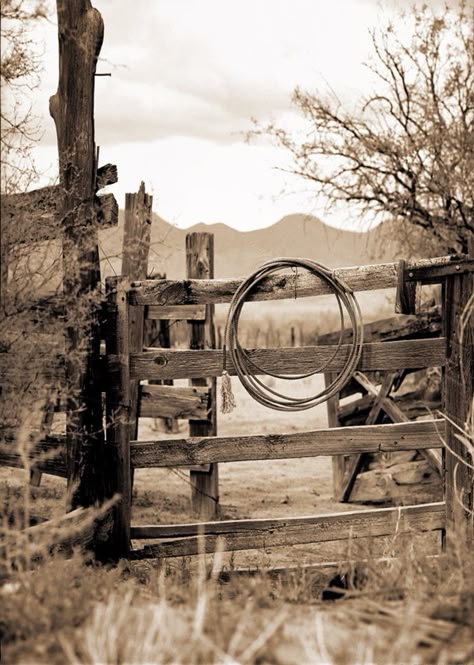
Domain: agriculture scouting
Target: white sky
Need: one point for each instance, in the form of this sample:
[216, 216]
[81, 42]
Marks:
[188, 76]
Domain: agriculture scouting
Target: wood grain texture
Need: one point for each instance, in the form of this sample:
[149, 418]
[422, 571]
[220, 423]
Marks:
[359, 278]
[338, 461]
[423, 325]
[204, 482]
[331, 441]
[35, 216]
[80, 37]
[46, 453]
[180, 364]
[176, 312]
[264, 533]
[174, 402]
[118, 399]
[458, 398]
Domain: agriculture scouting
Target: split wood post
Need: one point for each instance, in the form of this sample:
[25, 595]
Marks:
[200, 265]
[459, 407]
[80, 32]
[118, 412]
[136, 247]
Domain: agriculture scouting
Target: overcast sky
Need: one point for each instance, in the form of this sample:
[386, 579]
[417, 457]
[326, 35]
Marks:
[188, 76]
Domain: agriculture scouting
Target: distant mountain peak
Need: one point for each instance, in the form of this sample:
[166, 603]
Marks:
[238, 253]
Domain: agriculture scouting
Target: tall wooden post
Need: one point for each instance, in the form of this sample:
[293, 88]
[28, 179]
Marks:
[136, 247]
[118, 413]
[459, 407]
[80, 31]
[200, 265]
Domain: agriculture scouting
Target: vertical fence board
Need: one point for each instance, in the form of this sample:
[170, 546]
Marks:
[459, 406]
[200, 265]
[118, 416]
[136, 247]
[338, 461]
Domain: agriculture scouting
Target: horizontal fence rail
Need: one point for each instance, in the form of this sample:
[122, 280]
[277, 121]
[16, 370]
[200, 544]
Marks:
[416, 435]
[174, 402]
[45, 453]
[182, 364]
[262, 533]
[291, 285]
[176, 312]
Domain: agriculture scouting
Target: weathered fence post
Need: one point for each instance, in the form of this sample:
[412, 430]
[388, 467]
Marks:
[136, 247]
[458, 315]
[200, 265]
[80, 31]
[118, 413]
[338, 461]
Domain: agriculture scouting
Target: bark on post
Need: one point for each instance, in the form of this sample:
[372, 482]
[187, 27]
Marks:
[80, 31]
[200, 265]
[459, 407]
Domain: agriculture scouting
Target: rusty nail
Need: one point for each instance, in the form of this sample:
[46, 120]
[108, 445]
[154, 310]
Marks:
[410, 274]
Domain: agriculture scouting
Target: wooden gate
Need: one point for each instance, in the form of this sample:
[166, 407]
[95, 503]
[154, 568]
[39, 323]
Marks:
[127, 364]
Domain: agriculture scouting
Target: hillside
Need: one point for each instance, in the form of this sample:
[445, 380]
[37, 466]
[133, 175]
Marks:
[237, 253]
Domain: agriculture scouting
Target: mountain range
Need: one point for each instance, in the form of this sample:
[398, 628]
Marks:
[238, 253]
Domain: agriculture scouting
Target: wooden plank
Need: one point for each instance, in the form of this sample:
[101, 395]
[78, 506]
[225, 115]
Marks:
[338, 461]
[35, 216]
[287, 285]
[204, 482]
[118, 417]
[332, 441]
[264, 533]
[174, 402]
[176, 312]
[136, 247]
[425, 324]
[458, 398]
[106, 175]
[80, 528]
[180, 364]
[137, 229]
[46, 453]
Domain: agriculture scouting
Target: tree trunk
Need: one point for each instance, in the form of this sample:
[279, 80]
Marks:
[80, 32]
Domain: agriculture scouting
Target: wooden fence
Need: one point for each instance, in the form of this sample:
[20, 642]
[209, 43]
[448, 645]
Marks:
[127, 364]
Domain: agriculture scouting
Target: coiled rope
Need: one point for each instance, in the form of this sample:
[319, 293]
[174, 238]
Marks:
[247, 369]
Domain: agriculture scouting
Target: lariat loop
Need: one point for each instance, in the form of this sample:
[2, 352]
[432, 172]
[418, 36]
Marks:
[247, 368]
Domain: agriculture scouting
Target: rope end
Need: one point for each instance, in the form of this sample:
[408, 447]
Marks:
[228, 400]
